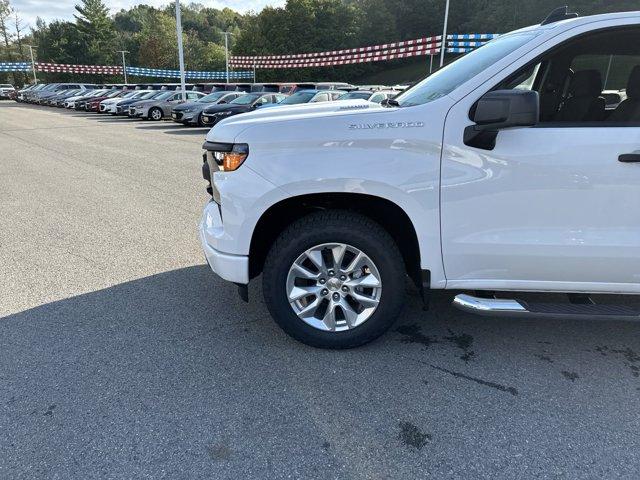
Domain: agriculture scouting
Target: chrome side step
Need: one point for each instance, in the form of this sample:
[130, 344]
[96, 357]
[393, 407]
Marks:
[497, 307]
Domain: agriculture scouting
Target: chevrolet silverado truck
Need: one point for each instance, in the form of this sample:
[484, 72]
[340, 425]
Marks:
[505, 171]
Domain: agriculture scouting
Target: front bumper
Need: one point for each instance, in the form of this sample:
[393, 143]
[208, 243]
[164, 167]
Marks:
[234, 268]
[140, 112]
[183, 117]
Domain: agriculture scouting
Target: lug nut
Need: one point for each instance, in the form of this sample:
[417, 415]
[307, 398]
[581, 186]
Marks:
[345, 289]
[336, 296]
[322, 281]
[332, 273]
[324, 291]
[343, 277]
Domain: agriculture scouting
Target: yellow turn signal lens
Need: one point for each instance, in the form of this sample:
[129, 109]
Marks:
[232, 160]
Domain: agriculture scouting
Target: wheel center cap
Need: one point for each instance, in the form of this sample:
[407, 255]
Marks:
[334, 284]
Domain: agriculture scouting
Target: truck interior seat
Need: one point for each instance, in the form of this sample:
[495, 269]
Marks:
[629, 109]
[584, 103]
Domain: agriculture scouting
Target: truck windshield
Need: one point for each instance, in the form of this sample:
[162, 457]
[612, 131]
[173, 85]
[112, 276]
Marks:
[447, 79]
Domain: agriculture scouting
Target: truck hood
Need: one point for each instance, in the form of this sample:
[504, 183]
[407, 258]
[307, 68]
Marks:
[228, 129]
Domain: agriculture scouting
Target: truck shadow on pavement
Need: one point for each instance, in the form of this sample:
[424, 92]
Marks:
[173, 374]
[190, 131]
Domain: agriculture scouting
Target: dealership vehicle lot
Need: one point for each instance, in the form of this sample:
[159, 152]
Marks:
[122, 356]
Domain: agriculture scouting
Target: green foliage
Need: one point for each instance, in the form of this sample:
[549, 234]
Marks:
[97, 30]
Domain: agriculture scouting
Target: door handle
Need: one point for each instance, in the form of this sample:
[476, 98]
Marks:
[629, 158]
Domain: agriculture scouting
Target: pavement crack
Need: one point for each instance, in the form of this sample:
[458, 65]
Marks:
[480, 381]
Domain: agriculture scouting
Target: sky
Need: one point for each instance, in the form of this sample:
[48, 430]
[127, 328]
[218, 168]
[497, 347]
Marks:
[63, 9]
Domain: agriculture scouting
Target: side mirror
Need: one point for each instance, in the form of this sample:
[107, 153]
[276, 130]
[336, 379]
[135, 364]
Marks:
[499, 110]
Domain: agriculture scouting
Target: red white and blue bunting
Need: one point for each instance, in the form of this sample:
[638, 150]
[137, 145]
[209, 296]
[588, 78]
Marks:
[456, 43]
[425, 46]
[116, 70]
[155, 72]
[15, 67]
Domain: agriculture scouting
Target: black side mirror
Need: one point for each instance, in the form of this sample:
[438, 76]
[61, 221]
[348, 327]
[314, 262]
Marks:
[498, 110]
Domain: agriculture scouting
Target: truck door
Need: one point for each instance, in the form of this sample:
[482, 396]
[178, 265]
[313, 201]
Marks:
[555, 206]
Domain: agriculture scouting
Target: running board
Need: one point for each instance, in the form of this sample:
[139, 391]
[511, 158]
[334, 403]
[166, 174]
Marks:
[498, 307]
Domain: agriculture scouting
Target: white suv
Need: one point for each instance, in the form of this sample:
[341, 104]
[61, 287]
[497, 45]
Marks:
[504, 171]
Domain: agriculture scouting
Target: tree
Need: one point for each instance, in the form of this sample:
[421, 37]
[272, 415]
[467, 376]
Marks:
[97, 30]
[157, 41]
[19, 29]
[6, 11]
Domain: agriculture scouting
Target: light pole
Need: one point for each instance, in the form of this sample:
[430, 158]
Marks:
[183, 85]
[443, 43]
[226, 52]
[33, 62]
[124, 64]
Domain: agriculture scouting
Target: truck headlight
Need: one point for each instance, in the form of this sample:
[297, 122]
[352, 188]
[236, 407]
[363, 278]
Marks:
[231, 160]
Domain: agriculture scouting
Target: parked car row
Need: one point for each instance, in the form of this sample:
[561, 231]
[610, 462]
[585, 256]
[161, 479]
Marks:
[200, 104]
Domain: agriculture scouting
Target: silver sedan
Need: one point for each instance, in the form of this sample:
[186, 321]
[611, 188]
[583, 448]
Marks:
[161, 106]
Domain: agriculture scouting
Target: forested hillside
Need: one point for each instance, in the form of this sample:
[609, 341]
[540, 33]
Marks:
[148, 33]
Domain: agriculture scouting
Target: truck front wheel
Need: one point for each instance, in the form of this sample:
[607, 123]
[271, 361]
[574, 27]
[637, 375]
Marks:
[334, 279]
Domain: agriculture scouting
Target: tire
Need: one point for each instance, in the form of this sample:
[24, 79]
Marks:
[200, 122]
[155, 114]
[333, 228]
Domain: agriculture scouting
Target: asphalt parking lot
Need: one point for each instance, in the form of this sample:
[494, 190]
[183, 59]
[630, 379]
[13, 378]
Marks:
[123, 356]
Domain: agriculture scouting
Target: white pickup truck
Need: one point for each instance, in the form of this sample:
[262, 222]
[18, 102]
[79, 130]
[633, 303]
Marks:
[506, 171]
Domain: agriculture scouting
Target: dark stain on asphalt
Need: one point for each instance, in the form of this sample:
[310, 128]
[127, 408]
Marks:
[326, 445]
[480, 381]
[411, 436]
[463, 341]
[631, 358]
[219, 451]
[413, 334]
[573, 376]
[543, 357]
[50, 410]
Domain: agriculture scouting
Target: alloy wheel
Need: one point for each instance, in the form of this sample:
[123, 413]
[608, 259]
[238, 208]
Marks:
[334, 287]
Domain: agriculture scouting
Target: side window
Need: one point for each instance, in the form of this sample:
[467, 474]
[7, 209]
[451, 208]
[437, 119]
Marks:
[263, 100]
[591, 80]
[193, 96]
[614, 70]
[177, 96]
[377, 98]
[279, 98]
[321, 97]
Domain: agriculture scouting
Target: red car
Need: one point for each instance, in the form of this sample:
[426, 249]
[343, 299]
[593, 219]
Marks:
[94, 104]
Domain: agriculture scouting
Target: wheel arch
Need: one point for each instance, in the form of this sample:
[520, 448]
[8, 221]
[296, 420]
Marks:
[388, 214]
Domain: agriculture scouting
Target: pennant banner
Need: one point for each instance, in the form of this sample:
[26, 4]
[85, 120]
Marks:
[155, 72]
[15, 67]
[472, 36]
[69, 68]
[333, 53]
[459, 50]
[427, 49]
[377, 58]
[456, 43]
